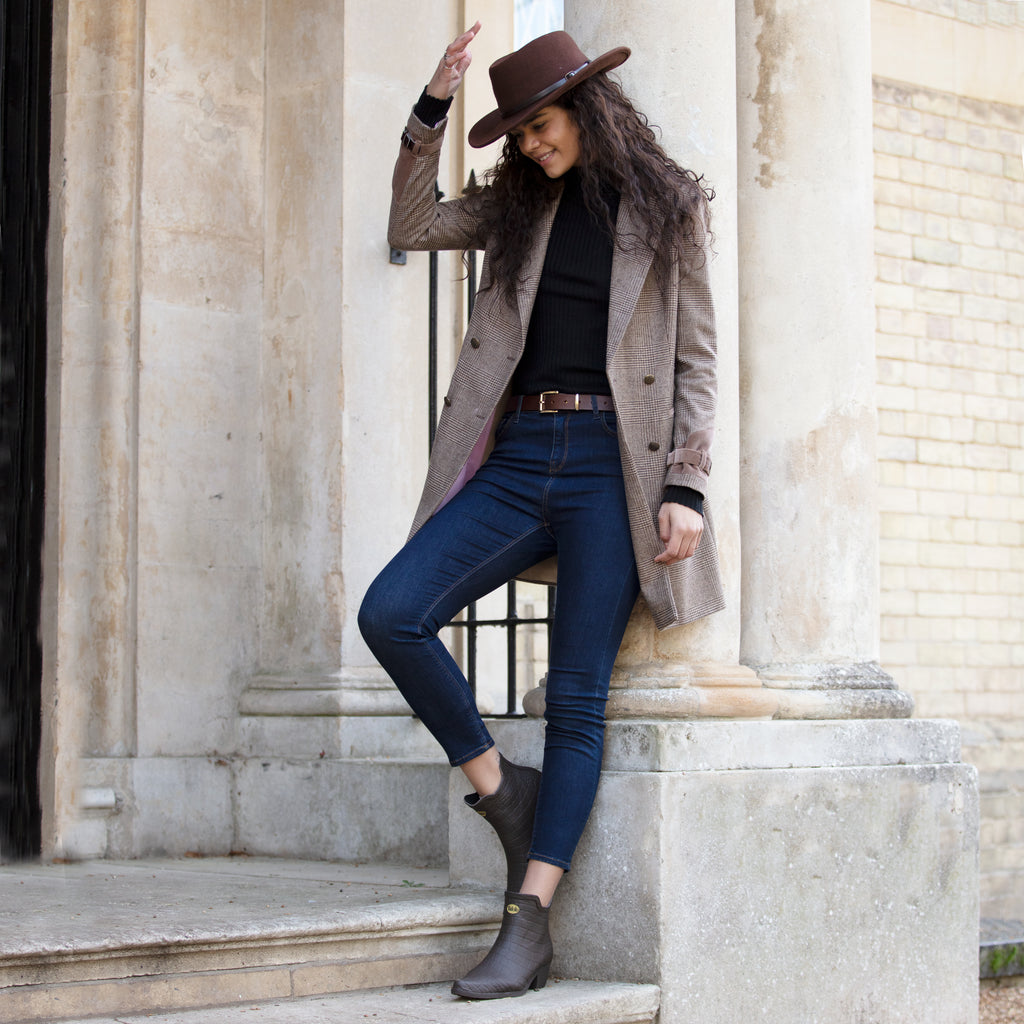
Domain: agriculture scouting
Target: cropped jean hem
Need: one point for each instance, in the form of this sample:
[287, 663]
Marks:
[556, 861]
[466, 758]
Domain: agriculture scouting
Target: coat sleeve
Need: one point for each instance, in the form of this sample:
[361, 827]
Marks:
[417, 220]
[696, 380]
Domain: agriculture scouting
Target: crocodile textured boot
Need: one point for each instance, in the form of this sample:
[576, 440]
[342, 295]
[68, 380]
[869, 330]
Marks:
[510, 810]
[520, 957]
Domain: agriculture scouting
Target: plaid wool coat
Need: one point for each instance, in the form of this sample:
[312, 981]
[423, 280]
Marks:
[661, 364]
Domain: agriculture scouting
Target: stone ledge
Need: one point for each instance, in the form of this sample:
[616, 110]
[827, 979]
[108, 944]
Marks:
[1002, 948]
[737, 746]
[383, 809]
[560, 1002]
[303, 695]
[647, 745]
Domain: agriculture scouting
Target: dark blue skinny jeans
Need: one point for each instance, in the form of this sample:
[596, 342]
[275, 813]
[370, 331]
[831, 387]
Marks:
[553, 483]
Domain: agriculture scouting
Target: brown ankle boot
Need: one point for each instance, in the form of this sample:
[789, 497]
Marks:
[520, 957]
[510, 810]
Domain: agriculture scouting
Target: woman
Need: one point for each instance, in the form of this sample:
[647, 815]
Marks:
[590, 360]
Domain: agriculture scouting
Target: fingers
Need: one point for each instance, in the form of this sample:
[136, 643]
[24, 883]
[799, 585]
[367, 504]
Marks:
[461, 42]
[664, 524]
[680, 529]
[456, 53]
[453, 65]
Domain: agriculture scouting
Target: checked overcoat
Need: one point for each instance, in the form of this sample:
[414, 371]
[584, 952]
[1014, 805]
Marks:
[661, 364]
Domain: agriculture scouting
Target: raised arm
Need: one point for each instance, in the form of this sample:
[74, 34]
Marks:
[417, 220]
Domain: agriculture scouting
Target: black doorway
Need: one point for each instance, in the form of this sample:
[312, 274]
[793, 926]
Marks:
[25, 49]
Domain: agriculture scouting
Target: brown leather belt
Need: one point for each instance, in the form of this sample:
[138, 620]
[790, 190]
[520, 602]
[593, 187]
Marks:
[560, 401]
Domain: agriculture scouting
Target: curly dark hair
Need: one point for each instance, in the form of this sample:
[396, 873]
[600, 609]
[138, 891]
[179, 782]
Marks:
[618, 149]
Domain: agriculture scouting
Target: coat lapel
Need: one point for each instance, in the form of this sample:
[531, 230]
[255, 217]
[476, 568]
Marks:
[630, 266]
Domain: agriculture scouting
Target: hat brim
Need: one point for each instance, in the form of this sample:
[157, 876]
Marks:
[495, 124]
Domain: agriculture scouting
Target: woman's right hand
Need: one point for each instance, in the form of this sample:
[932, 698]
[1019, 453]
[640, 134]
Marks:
[452, 66]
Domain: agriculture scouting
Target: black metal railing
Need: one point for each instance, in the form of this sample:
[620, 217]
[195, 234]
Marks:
[467, 627]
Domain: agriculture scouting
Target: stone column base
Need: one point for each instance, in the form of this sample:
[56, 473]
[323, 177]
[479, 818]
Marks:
[835, 690]
[679, 690]
[299, 694]
[792, 872]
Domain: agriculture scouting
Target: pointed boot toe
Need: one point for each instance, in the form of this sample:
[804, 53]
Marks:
[520, 957]
[510, 811]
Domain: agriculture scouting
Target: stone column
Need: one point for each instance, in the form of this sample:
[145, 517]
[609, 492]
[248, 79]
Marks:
[302, 384]
[693, 671]
[90, 580]
[809, 510]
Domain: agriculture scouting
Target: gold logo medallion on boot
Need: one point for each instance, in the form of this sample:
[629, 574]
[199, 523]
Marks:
[512, 908]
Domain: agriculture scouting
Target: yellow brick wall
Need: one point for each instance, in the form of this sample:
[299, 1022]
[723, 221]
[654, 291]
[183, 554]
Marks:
[949, 179]
[971, 12]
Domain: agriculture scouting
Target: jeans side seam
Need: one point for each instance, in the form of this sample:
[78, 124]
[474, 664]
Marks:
[626, 585]
[469, 702]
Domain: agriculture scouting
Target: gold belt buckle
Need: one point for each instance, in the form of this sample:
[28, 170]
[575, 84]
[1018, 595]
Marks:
[541, 403]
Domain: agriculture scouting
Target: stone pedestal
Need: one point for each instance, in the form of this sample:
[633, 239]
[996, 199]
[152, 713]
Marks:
[792, 872]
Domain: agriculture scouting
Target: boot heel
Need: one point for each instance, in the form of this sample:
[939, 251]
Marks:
[540, 979]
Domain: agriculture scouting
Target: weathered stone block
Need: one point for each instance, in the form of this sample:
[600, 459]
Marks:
[180, 805]
[767, 861]
[359, 810]
[196, 635]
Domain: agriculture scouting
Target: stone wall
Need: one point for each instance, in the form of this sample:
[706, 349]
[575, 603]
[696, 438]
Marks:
[950, 344]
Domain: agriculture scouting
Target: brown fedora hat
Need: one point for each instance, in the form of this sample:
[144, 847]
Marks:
[534, 76]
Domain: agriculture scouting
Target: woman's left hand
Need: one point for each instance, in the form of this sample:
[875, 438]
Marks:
[680, 529]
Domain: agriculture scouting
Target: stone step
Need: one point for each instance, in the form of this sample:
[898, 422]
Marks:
[119, 938]
[559, 1002]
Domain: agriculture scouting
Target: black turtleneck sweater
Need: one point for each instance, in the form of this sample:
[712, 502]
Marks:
[567, 337]
[568, 332]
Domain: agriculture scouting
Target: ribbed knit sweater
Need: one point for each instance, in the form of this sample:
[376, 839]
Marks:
[568, 332]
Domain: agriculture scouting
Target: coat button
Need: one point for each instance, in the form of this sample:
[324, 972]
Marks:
[649, 379]
[447, 402]
[653, 446]
[475, 342]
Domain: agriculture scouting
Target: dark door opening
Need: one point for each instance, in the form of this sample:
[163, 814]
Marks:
[25, 53]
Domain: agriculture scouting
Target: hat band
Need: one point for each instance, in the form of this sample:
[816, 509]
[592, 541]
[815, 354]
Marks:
[545, 92]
